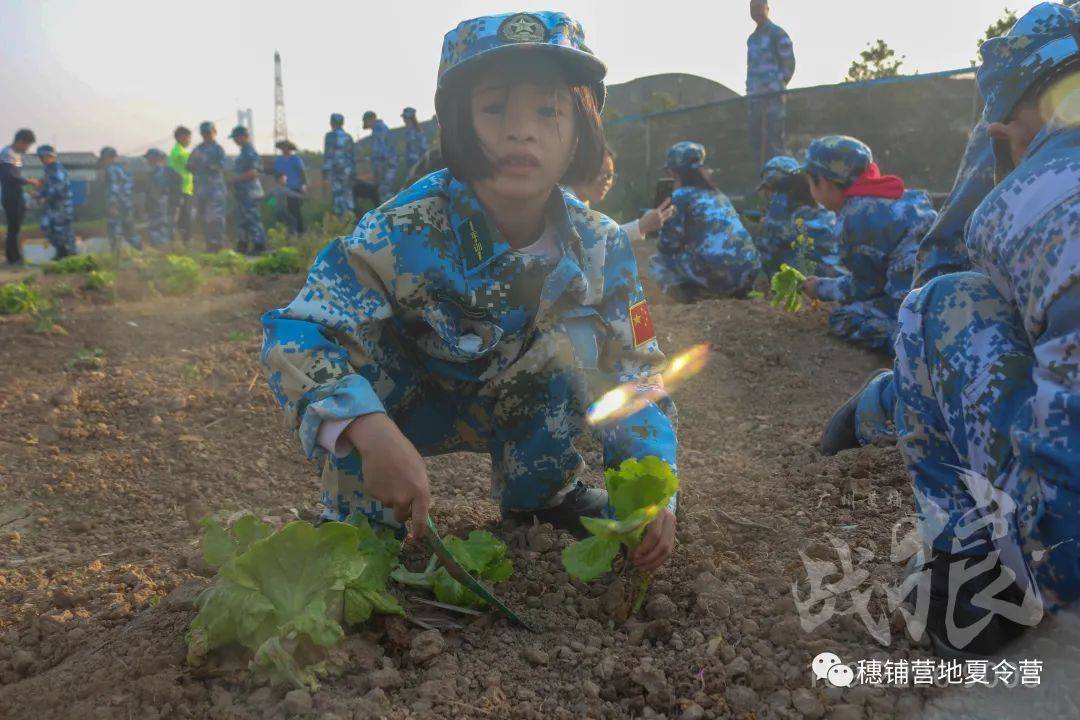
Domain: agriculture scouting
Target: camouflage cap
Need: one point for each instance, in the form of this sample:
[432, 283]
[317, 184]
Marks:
[337, 119]
[206, 126]
[777, 169]
[546, 31]
[685, 156]
[44, 150]
[107, 152]
[153, 153]
[409, 112]
[839, 158]
[239, 131]
[1041, 42]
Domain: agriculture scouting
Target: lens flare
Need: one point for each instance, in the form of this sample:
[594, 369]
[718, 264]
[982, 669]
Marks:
[630, 397]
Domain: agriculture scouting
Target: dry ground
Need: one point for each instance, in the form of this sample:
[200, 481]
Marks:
[104, 473]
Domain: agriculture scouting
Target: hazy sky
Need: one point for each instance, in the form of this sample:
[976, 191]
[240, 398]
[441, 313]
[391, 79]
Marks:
[86, 73]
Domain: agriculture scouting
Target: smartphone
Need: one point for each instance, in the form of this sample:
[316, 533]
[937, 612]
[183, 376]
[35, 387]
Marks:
[664, 188]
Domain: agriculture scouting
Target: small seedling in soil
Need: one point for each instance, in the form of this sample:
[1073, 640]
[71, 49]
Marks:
[283, 261]
[288, 596]
[47, 319]
[87, 360]
[639, 490]
[18, 298]
[787, 288]
[482, 555]
[99, 280]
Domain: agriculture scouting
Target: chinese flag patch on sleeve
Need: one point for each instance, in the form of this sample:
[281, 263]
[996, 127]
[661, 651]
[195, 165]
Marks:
[641, 321]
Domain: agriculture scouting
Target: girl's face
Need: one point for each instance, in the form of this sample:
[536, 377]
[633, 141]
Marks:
[597, 190]
[528, 132]
[827, 194]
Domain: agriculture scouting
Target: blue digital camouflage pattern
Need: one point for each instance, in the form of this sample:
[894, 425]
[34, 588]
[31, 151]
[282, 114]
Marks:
[942, 250]
[119, 207]
[803, 237]
[685, 155]
[839, 158]
[770, 59]
[878, 239]
[777, 169]
[1039, 42]
[486, 37]
[248, 195]
[58, 209]
[416, 144]
[384, 159]
[427, 314]
[770, 64]
[161, 185]
[207, 166]
[988, 365]
[339, 168]
[704, 246]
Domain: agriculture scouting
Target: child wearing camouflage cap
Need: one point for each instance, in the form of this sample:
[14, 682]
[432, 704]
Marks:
[467, 312]
[880, 224]
[703, 247]
[795, 230]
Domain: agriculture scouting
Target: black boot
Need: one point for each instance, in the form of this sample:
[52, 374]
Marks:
[579, 500]
[839, 433]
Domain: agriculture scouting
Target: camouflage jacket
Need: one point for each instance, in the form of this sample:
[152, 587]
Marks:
[770, 59]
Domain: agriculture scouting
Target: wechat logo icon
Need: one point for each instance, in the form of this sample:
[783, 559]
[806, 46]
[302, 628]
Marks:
[828, 668]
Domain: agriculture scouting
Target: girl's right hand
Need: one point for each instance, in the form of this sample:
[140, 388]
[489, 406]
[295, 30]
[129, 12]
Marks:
[654, 219]
[394, 472]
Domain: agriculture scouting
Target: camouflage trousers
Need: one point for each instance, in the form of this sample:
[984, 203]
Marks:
[210, 206]
[57, 230]
[121, 226]
[161, 228]
[964, 375]
[718, 273]
[249, 227]
[341, 196]
[385, 174]
[870, 323]
[766, 119]
[527, 418]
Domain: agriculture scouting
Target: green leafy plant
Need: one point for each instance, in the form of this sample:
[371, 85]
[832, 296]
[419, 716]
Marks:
[72, 264]
[787, 288]
[481, 554]
[174, 274]
[639, 490]
[877, 61]
[225, 262]
[287, 596]
[47, 318]
[87, 360]
[99, 280]
[18, 298]
[282, 261]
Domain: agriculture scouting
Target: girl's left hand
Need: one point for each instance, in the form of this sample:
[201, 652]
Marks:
[656, 546]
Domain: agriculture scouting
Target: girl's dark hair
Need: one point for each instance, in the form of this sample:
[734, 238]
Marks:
[796, 187]
[695, 177]
[461, 148]
[818, 177]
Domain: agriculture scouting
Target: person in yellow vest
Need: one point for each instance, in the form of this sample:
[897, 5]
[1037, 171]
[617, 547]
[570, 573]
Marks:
[178, 158]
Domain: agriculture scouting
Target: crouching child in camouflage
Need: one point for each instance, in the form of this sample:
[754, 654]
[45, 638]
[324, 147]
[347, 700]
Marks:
[987, 373]
[879, 229]
[795, 230]
[58, 209]
[703, 247]
[162, 192]
[468, 312]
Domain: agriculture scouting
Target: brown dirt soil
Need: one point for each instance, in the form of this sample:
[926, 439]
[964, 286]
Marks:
[105, 472]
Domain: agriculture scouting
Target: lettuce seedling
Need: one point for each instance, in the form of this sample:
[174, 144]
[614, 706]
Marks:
[286, 595]
[638, 491]
[482, 555]
[787, 288]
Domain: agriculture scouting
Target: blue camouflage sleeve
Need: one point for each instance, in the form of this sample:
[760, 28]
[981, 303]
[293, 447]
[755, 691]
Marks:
[785, 53]
[630, 353]
[859, 242]
[673, 232]
[318, 351]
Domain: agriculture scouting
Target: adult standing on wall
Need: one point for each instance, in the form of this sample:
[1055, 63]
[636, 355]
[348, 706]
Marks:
[770, 63]
[11, 190]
